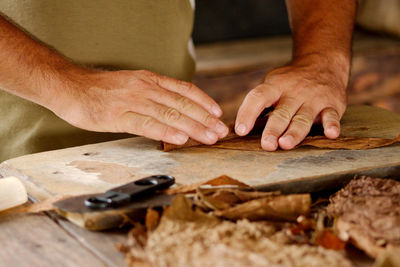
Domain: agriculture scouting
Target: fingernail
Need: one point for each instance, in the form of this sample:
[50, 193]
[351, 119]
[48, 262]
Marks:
[181, 138]
[287, 140]
[241, 129]
[211, 135]
[270, 142]
[216, 111]
[332, 130]
[221, 128]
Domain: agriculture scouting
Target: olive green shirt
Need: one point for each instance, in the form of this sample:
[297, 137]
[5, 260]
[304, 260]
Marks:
[118, 34]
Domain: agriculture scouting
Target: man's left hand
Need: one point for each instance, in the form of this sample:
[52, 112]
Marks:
[306, 91]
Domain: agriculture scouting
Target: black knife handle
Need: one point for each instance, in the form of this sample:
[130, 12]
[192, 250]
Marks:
[124, 194]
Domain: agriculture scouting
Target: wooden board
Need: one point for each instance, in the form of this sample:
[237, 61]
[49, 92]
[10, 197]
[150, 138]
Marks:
[96, 168]
[36, 240]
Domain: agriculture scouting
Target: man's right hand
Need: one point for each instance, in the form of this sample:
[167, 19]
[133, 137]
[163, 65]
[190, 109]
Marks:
[137, 102]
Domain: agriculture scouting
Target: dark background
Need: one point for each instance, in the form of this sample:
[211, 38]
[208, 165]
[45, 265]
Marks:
[219, 20]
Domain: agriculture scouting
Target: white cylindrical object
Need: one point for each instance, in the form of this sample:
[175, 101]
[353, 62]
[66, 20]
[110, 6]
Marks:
[12, 193]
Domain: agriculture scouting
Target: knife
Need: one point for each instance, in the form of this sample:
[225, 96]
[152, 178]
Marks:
[118, 205]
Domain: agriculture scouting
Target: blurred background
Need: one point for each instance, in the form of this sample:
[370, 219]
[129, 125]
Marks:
[237, 42]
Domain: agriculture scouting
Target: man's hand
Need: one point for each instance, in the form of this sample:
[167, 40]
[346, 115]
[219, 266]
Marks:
[138, 102]
[302, 93]
[313, 86]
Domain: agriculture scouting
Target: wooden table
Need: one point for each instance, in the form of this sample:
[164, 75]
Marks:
[48, 240]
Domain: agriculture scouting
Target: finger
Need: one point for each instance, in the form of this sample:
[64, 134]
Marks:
[299, 128]
[278, 122]
[177, 120]
[256, 100]
[149, 127]
[331, 123]
[191, 109]
[190, 91]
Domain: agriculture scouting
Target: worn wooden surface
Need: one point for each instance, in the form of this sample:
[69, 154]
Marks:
[36, 240]
[96, 168]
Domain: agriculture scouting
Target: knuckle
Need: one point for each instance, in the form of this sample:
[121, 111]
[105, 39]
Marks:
[147, 123]
[303, 120]
[171, 114]
[210, 120]
[185, 103]
[186, 87]
[282, 114]
[257, 92]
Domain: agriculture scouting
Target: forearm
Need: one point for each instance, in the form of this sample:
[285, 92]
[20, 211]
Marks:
[323, 29]
[28, 68]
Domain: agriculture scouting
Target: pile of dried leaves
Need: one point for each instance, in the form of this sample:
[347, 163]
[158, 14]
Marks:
[368, 214]
[237, 226]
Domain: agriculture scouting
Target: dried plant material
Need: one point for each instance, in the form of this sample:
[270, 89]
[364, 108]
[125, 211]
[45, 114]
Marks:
[256, 244]
[329, 240]
[358, 143]
[182, 209]
[368, 214]
[388, 259]
[257, 130]
[208, 202]
[284, 207]
[152, 219]
[45, 205]
[221, 180]
[253, 143]
[192, 143]
[223, 198]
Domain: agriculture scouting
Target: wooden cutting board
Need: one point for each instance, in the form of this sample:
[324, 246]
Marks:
[98, 167]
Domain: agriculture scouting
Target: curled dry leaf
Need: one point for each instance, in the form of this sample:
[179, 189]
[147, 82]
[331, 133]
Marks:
[223, 198]
[284, 207]
[219, 181]
[182, 209]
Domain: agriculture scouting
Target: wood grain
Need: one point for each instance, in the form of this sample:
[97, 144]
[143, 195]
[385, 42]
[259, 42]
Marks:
[35, 240]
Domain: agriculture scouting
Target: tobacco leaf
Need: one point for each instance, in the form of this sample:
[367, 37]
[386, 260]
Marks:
[221, 180]
[182, 209]
[152, 219]
[282, 207]
[367, 213]
[223, 198]
[256, 131]
[342, 142]
[45, 205]
[253, 143]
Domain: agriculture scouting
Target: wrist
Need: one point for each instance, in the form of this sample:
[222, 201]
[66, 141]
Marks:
[62, 82]
[333, 62]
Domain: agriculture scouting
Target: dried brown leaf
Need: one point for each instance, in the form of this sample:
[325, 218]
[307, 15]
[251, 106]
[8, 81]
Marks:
[182, 209]
[191, 188]
[152, 219]
[252, 143]
[342, 142]
[283, 207]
